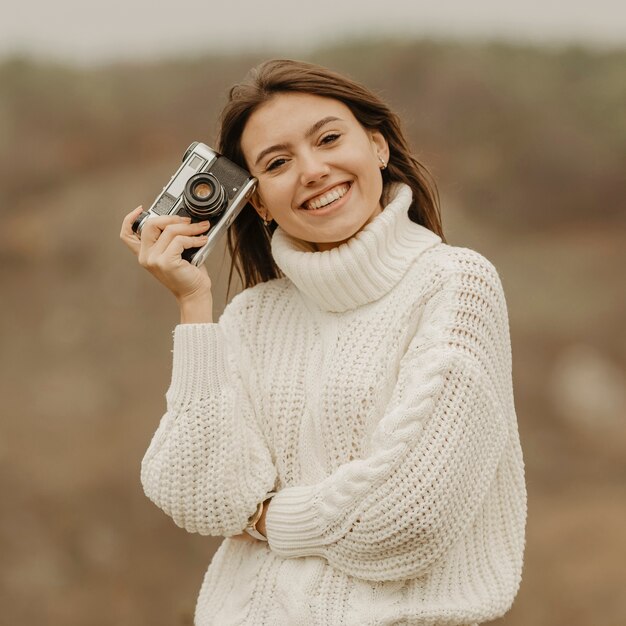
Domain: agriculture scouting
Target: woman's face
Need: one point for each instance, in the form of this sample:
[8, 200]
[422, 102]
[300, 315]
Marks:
[318, 168]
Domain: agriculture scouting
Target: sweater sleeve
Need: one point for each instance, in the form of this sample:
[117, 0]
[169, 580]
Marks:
[434, 453]
[208, 465]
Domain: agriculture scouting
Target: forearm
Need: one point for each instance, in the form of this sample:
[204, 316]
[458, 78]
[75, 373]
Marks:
[392, 515]
[208, 465]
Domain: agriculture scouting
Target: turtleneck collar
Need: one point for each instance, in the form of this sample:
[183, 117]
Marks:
[364, 268]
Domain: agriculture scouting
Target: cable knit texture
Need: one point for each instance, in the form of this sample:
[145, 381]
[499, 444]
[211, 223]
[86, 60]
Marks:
[371, 388]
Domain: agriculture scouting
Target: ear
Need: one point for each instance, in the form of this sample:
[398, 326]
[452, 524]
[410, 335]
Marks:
[380, 145]
[257, 203]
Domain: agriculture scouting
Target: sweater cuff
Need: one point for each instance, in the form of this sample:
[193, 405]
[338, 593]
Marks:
[293, 524]
[199, 359]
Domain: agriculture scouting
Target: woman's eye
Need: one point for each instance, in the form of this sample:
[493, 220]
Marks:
[330, 138]
[275, 164]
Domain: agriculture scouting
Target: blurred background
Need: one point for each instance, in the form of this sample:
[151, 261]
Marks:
[519, 112]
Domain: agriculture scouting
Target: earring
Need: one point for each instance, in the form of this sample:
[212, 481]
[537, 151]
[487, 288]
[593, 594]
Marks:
[265, 220]
[382, 161]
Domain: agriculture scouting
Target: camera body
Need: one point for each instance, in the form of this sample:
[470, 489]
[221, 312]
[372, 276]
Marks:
[207, 186]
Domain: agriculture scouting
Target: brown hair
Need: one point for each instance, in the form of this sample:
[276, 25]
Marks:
[248, 238]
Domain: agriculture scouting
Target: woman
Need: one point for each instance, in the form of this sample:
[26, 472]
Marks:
[348, 424]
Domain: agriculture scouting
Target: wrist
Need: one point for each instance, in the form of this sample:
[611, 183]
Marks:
[196, 309]
[256, 524]
[261, 523]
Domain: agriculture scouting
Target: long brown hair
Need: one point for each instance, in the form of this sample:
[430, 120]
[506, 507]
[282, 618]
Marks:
[248, 238]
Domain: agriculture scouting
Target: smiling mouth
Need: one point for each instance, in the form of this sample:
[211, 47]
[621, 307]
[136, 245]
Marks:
[327, 198]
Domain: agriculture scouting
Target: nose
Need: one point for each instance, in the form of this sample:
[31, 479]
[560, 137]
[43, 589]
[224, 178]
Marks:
[313, 168]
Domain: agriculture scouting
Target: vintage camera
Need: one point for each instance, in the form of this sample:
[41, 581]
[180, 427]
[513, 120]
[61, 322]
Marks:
[207, 186]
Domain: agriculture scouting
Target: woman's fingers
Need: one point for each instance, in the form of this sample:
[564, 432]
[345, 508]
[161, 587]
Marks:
[127, 235]
[154, 226]
[171, 257]
[171, 231]
[163, 240]
[150, 231]
[165, 251]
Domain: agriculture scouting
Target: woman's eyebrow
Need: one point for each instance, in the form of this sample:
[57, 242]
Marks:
[311, 131]
[318, 125]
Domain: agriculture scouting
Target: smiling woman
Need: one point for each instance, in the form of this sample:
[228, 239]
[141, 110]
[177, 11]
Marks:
[332, 109]
[320, 163]
[348, 423]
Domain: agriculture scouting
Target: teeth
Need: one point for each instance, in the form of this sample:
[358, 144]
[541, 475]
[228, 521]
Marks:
[327, 198]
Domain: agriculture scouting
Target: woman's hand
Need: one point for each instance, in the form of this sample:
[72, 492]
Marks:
[163, 240]
[260, 526]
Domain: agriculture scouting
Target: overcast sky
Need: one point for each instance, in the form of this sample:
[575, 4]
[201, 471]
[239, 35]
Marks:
[84, 32]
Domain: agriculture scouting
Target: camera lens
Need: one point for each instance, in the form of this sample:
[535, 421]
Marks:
[201, 191]
[204, 195]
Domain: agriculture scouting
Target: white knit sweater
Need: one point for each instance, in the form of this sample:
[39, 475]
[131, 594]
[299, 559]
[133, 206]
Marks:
[371, 388]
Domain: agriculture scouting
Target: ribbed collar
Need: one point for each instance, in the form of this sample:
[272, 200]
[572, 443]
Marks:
[364, 268]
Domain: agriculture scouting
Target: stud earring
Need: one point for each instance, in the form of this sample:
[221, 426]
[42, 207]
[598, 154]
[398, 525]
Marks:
[382, 161]
[265, 220]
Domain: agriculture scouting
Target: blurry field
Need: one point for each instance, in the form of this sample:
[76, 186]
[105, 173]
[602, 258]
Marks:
[528, 147]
